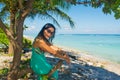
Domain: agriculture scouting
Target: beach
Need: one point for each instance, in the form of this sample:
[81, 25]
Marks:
[92, 57]
[85, 64]
[82, 67]
[95, 61]
[87, 67]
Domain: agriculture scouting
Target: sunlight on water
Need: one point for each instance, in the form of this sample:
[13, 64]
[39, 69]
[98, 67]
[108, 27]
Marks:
[106, 46]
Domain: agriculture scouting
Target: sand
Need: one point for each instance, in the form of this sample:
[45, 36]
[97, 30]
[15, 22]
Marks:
[82, 67]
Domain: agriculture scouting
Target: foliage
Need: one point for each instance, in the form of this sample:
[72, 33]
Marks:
[4, 71]
[48, 9]
[27, 43]
[108, 6]
[3, 38]
[112, 6]
[45, 9]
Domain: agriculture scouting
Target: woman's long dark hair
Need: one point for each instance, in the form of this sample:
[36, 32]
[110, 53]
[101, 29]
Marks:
[41, 33]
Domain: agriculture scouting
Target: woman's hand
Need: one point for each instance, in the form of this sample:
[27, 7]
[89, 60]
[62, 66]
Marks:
[64, 56]
[67, 59]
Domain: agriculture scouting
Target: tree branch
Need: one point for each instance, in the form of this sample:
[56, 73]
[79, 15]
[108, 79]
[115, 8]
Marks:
[20, 4]
[7, 32]
[88, 2]
[57, 66]
[84, 2]
[28, 8]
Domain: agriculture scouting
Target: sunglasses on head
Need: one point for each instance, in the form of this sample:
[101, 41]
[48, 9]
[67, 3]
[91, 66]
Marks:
[49, 31]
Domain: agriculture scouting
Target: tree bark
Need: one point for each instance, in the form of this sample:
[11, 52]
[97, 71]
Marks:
[16, 61]
[12, 75]
[17, 50]
[10, 49]
[15, 34]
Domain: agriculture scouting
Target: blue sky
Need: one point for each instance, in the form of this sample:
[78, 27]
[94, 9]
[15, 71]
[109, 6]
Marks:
[87, 21]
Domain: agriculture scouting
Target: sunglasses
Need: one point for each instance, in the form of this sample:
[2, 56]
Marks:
[49, 31]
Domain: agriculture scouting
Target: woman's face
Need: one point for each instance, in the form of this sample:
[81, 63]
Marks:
[48, 32]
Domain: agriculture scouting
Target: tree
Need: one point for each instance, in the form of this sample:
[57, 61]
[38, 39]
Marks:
[17, 11]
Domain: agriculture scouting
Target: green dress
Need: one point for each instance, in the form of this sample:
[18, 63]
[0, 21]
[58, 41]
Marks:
[39, 64]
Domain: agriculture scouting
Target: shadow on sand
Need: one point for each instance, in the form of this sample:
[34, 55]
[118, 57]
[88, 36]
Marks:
[78, 70]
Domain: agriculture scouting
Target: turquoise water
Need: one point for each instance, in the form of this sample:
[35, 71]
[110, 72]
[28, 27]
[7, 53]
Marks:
[106, 46]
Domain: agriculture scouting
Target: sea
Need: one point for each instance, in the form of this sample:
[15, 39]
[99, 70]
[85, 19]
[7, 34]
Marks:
[106, 46]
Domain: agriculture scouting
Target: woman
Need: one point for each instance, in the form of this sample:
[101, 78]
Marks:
[42, 44]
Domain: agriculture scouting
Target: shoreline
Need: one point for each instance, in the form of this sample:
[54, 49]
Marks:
[90, 59]
[78, 51]
[114, 60]
[94, 60]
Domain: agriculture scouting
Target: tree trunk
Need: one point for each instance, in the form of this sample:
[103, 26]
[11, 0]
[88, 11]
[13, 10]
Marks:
[16, 29]
[17, 49]
[10, 49]
[16, 62]
[12, 29]
[15, 71]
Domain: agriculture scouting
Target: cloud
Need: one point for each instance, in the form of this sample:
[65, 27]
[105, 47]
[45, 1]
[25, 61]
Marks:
[67, 28]
[31, 28]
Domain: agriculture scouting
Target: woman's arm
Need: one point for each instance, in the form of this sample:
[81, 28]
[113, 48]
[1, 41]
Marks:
[54, 47]
[60, 52]
[53, 50]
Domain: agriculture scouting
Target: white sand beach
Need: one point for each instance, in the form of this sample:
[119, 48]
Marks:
[82, 67]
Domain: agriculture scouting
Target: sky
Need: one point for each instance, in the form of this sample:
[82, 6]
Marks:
[87, 21]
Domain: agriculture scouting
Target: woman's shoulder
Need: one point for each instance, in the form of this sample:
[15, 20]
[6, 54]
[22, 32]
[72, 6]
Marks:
[37, 42]
[39, 39]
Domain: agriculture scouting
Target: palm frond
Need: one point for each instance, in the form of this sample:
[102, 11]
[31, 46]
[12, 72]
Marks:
[33, 14]
[48, 16]
[56, 11]
[50, 9]
[63, 4]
